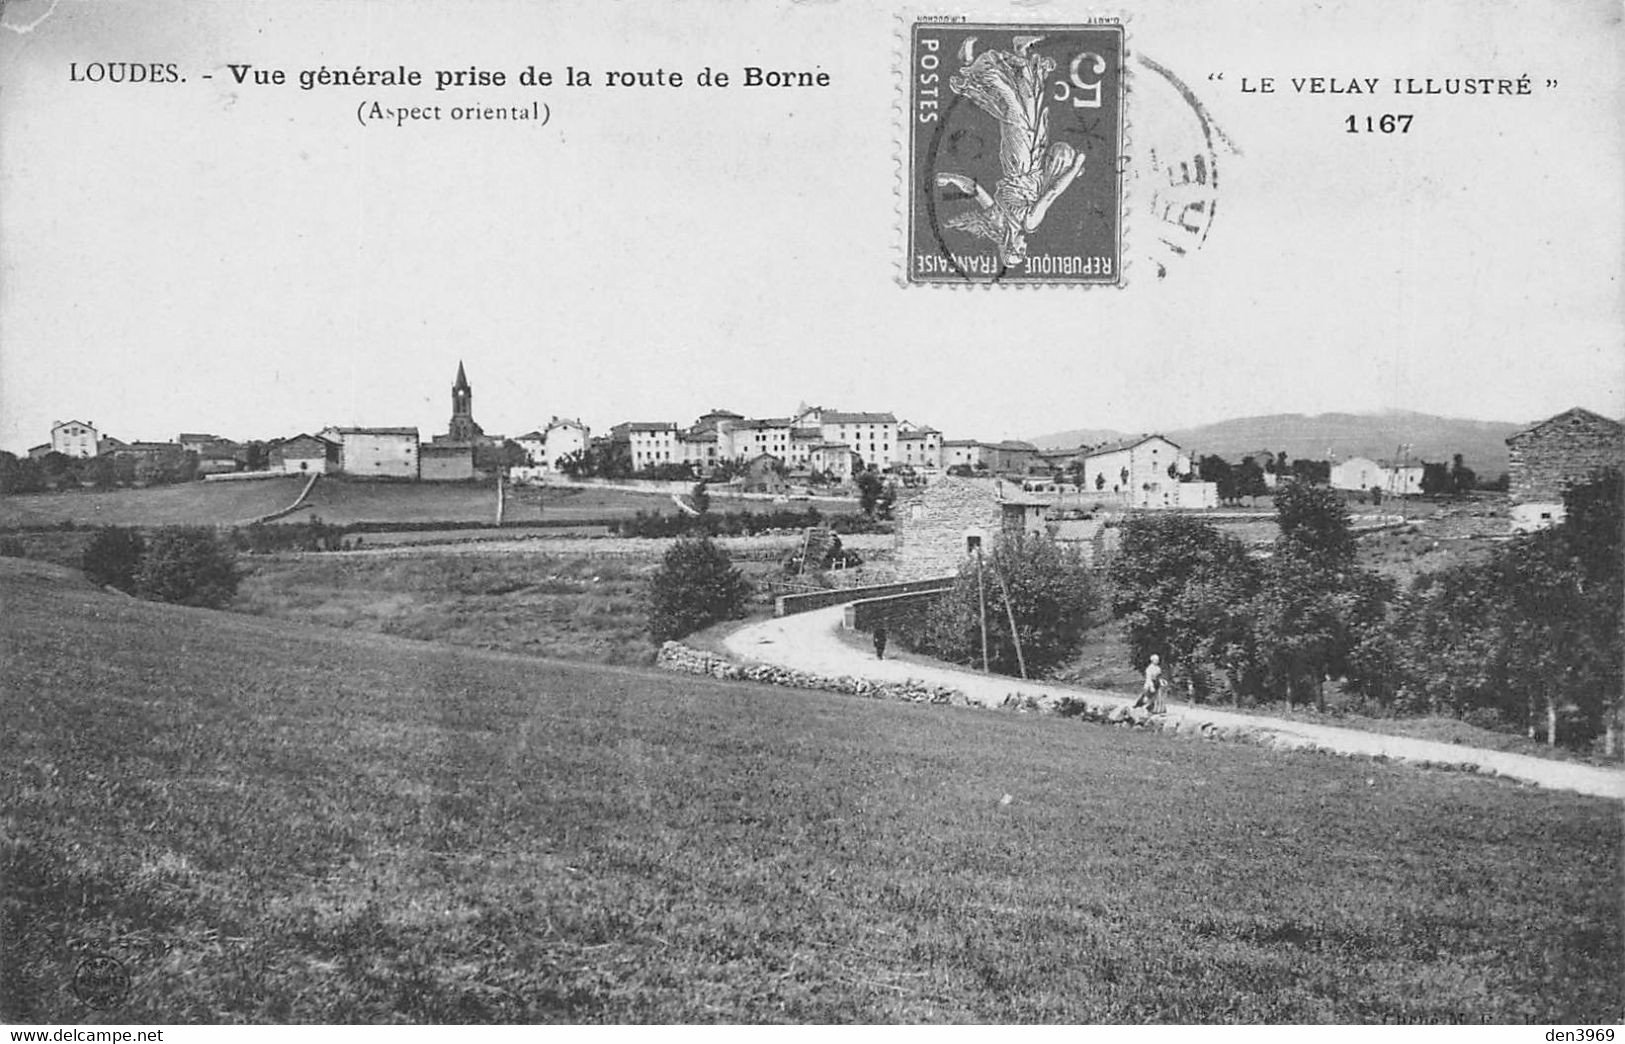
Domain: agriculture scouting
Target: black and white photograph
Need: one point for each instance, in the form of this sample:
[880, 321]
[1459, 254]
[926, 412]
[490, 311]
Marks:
[801, 513]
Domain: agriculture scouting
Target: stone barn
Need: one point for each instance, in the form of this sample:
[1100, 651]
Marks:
[1555, 455]
[944, 523]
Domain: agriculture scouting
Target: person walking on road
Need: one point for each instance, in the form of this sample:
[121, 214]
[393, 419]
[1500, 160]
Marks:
[1151, 694]
[880, 642]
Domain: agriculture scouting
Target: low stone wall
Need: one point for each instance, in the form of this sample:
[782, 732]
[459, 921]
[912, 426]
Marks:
[789, 605]
[674, 656]
[898, 612]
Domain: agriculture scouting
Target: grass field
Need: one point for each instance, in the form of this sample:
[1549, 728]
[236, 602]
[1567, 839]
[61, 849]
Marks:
[189, 504]
[573, 607]
[270, 822]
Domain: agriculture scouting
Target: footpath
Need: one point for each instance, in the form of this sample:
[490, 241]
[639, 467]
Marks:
[808, 642]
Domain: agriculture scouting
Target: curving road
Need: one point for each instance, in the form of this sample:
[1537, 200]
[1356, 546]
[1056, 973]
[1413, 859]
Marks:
[808, 642]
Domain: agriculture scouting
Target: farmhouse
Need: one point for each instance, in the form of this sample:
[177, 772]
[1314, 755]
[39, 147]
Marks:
[376, 452]
[919, 446]
[1363, 473]
[446, 462]
[303, 455]
[1144, 466]
[73, 438]
[1555, 455]
[942, 524]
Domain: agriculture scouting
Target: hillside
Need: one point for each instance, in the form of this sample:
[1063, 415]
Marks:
[267, 822]
[1344, 435]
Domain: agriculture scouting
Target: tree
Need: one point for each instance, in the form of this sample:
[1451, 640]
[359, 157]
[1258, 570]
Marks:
[1533, 635]
[1315, 519]
[1435, 479]
[1044, 585]
[113, 557]
[870, 488]
[1182, 590]
[188, 565]
[695, 586]
[1250, 479]
[1462, 478]
[1316, 471]
[1218, 471]
[700, 497]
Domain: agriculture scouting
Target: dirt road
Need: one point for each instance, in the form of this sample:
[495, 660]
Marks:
[808, 642]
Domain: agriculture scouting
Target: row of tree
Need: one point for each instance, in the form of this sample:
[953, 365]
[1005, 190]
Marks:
[108, 471]
[1530, 637]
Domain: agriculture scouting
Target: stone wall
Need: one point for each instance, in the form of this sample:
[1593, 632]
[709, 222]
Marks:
[899, 612]
[674, 656]
[789, 605]
[1561, 453]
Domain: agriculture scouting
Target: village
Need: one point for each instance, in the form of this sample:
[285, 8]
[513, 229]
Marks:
[815, 449]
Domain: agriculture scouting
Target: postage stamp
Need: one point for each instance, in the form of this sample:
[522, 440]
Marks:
[1015, 139]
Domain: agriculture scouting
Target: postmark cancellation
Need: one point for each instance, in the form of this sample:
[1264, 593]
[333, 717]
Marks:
[1015, 138]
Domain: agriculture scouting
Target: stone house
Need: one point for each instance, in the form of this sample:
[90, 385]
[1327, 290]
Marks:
[919, 447]
[302, 455]
[942, 524]
[1555, 455]
[764, 473]
[446, 462]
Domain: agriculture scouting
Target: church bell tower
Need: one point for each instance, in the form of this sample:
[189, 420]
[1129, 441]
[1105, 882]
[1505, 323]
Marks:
[463, 428]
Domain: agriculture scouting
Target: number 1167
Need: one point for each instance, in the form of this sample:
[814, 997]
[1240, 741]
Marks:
[1388, 124]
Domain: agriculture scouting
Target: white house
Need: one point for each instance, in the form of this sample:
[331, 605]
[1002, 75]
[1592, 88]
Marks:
[563, 437]
[1363, 473]
[872, 436]
[73, 438]
[649, 443]
[1141, 468]
[377, 452]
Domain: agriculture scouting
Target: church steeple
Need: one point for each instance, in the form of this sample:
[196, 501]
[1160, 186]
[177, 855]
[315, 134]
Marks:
[463, 428]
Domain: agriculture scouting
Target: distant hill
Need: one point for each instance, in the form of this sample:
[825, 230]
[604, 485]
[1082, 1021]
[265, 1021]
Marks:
[1377, 435]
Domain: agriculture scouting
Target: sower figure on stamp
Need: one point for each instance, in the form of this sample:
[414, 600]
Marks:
[880, 641]
[1034, 170]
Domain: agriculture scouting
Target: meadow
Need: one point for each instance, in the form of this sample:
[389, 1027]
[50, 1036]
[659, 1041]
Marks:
[270, 822]
[187, 504]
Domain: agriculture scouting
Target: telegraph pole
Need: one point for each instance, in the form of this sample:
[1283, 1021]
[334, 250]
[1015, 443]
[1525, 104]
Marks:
[981, 598]
[1011, 613]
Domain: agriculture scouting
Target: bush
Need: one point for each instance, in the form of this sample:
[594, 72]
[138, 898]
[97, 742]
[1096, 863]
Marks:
[188, 565]
[695, 586]
[1050, 591]
[11, 547]
[113, 558]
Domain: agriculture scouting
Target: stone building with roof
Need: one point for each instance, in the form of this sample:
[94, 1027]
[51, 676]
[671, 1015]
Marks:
[1552, 457]
[941, 525]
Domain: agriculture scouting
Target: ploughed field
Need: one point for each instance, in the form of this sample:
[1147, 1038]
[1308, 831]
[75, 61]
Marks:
[265, 821]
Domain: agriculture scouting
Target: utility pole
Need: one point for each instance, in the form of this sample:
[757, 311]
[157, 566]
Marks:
[981, 598]
[1011, 613]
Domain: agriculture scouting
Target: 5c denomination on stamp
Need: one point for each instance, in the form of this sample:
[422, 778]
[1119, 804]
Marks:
[1015, 133]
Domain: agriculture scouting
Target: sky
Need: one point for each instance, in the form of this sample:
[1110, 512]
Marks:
[251, 260]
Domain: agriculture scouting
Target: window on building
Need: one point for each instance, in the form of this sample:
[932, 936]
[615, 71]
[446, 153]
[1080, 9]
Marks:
[973, 543]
